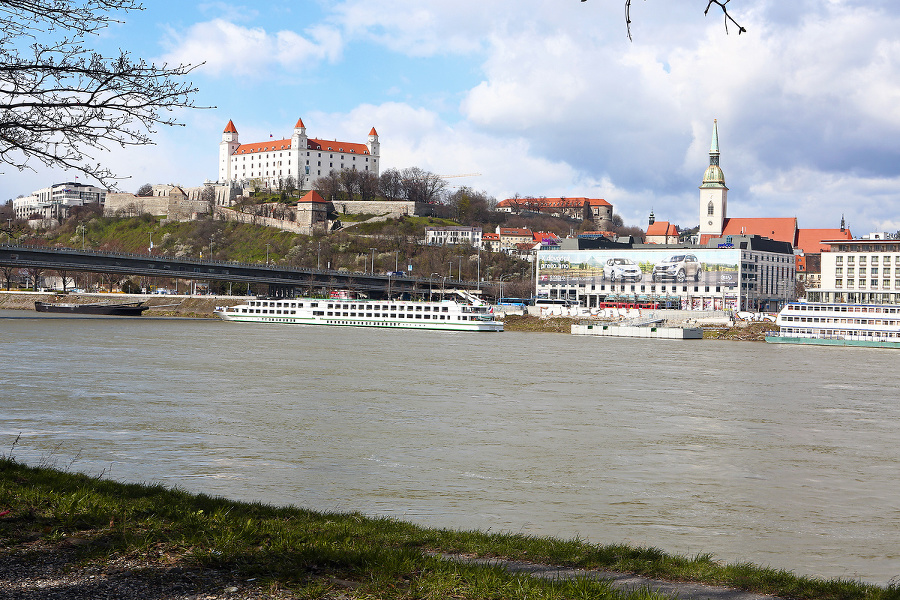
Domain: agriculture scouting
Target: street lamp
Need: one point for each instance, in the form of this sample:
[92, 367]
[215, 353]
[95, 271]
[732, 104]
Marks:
[430, 288]
[319, 257]
[373, 260]
[267, 254]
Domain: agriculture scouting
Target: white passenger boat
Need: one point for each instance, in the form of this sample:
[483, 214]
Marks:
[874, 325]
[448, 314]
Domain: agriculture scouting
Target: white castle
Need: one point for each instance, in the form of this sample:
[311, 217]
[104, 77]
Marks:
[300, 156]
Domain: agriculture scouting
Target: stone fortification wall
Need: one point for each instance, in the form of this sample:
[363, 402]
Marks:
[384, 208]
[293, 226]
[123, 204]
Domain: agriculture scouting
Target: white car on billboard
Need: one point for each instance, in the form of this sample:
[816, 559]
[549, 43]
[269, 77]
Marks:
[622, 269]
[678, 267]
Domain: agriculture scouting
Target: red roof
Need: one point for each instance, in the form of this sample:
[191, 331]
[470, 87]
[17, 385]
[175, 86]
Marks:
[313, 144]
[553, 202]
[810, 240]
[230, 127]
[312, 196]
[373, 132]
[779, 229]
[540, 236]
[299, 124]
[515, 231]
[662, 228]
[333, 146]
[490, 236]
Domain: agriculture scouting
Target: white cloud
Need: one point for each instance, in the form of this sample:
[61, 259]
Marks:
[233, 50]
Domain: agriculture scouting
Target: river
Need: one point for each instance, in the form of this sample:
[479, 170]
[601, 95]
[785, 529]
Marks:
[779, 455]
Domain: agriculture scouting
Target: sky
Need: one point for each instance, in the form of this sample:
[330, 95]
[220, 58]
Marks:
[547, 98]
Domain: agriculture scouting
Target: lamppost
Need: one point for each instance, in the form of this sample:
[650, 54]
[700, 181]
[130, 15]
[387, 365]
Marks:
[319, 257]
[478, 272]
[396, 260]
[430, 284]
[373, 260]
[267, 254]
[501, 287]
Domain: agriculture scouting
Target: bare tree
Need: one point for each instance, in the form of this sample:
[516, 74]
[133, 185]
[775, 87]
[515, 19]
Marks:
[144, 190]
[208, 195]
[390, 184]
[422, 186]
[61, 100]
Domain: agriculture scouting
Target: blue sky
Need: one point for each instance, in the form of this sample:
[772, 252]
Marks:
[549, 98]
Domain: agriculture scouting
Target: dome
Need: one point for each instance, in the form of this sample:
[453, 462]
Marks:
[713, 175]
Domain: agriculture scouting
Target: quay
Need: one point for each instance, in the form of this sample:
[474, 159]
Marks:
[637, 331]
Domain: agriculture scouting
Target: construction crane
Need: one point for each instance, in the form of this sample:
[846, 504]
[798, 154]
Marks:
[460, 175]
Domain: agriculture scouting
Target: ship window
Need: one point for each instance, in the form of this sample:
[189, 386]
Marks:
[427, 316]
[444, 309]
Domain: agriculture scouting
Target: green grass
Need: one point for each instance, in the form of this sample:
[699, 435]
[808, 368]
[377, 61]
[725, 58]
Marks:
[313, 553]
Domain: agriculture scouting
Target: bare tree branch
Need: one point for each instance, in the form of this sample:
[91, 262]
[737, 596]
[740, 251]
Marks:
[721, 4]
[59, 100]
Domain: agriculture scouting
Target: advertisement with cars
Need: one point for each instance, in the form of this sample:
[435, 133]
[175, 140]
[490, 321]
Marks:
[699, 266]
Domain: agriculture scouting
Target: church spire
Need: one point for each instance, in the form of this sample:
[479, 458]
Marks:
[714, 178]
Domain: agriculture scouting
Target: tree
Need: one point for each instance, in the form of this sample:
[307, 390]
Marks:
[421, 186]
[144, 190]
[61, 100]
[390, 184]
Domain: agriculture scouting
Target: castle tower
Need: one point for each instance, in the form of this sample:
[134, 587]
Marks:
[713, 193]
[373, 145]
[297, 164]
[227, 148]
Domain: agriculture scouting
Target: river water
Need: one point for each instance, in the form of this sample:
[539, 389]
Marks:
[782, 456]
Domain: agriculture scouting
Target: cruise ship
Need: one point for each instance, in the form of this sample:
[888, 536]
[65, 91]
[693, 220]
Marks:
[873, 325]
[445, 315]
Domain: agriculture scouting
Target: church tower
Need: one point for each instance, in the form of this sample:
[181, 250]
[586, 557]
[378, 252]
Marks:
[713, 193]
[227, 148]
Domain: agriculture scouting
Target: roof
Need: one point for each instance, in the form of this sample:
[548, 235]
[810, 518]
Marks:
[515, 231]
[230, 127]
[662, 228]
[779, 229]
[553, 202]
[490, 236]
[299, 124]
[312, 196]
[312, 144]
[810, 240]
[373, 132]
[540, 236]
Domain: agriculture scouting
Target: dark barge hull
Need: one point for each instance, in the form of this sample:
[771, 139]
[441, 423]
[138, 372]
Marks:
[132, 309]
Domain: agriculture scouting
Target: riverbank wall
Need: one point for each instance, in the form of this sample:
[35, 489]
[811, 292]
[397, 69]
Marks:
[160, 305]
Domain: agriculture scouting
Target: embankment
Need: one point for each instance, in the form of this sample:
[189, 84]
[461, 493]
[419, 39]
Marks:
[161, 306]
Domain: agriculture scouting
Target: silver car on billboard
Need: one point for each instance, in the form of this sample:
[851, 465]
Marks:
[678, 267]
[622, 269]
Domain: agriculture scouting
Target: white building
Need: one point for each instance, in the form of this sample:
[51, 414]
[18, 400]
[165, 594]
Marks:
[302, 157]
[444, 236]
[865, 271]
[55, 201]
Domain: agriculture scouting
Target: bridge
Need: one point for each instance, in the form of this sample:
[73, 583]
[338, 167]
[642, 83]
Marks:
[280, 281]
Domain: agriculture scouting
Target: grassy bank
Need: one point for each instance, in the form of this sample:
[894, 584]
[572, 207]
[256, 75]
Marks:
[314, 555]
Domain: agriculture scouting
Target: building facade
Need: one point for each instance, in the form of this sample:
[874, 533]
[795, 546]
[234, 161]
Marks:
[444, 236]
[301, 157]
[864, 271]
[600, 210]
[744, 273]
[55, 201]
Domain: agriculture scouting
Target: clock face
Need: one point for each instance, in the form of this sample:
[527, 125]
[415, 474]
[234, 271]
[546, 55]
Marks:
[710, 222]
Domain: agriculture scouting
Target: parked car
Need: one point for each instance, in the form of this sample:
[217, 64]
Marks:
[622, 269]
[678, 267]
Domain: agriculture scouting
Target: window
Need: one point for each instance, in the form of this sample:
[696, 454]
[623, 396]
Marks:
[710, 209]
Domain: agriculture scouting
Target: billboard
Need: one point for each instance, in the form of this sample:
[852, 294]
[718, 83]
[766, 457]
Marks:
[696, 266]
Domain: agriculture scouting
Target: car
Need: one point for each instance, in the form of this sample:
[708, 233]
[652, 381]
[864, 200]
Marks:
[622, 269]
[678, 267]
